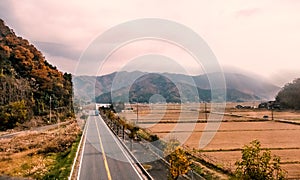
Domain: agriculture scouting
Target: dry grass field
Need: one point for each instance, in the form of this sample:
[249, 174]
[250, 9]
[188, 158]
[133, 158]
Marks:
[33, 154]
[238, 127]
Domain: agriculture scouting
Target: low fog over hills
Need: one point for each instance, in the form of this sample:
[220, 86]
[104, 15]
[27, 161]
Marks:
[142, 86]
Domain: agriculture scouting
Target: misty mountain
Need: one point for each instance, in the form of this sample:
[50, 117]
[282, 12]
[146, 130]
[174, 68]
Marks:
[140, 86]
[89, 87]
[159, 88]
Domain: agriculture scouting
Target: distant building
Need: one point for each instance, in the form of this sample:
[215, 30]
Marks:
[243, 107]
[263, 105]
[127, 110]
[269, 105]
[239, 106]
[102, 106]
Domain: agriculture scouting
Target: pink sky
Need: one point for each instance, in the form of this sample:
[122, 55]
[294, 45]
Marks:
[257, 36]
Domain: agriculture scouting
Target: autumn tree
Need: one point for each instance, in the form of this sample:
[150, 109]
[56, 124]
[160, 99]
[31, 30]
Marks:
[26, 76]
[256, 164]
[179, 162]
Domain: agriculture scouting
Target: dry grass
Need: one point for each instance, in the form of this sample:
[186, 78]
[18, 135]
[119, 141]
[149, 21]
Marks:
[29, 154]
[239, 127]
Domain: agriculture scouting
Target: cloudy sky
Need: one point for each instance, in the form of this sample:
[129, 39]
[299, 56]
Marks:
[258, 36]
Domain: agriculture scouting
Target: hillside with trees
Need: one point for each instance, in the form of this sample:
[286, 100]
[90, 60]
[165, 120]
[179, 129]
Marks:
[145, 87]
[28, 82]
[240, 88]
[289, 95]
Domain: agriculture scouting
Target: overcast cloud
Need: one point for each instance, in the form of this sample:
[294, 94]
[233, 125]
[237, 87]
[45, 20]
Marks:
[257, 36]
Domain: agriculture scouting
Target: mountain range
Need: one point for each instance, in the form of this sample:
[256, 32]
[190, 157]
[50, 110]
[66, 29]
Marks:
[167, 87]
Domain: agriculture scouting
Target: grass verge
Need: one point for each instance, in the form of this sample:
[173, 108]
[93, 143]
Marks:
[64, 162]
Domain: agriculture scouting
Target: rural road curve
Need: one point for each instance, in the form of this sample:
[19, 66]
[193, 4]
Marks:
[103, 156]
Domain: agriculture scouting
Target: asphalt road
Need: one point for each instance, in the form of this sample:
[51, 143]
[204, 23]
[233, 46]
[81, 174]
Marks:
[103, 156]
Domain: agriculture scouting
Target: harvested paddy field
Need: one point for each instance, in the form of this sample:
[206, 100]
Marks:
[239, 127]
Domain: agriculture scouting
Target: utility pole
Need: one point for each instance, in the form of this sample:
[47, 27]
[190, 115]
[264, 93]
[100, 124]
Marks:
[205, 111]
[50, 109]
[137, 112]
[272, 113]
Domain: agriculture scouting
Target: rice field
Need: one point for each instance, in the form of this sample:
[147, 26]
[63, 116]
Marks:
[187, 122]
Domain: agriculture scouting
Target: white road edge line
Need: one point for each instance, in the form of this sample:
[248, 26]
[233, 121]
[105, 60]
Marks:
[125, 153]
[86, 128]
[103, 152]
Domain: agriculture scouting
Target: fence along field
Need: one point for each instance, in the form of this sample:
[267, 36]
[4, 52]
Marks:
[239, 127]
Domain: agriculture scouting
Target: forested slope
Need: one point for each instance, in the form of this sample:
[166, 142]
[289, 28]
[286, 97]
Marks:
[289, 95]
[28, 81]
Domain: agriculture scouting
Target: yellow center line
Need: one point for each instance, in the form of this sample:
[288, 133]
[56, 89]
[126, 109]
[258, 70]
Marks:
[103, 153]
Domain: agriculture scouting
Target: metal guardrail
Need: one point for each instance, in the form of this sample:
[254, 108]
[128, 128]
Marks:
[156, 151]
[144, 171]
[140, 166]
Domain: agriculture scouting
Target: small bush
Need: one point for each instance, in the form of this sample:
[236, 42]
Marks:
[258, 165]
